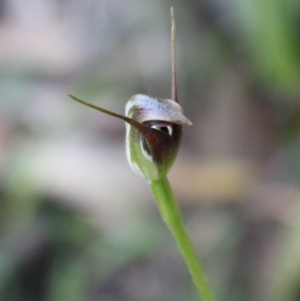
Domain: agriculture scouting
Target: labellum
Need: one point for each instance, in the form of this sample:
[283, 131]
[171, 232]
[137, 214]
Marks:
[153, 128]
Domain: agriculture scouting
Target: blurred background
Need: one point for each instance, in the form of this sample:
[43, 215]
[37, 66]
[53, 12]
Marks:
[76, 224]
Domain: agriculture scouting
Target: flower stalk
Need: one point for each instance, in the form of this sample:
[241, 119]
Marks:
[171, 215]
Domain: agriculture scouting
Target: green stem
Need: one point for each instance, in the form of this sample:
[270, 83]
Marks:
[170, 212]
